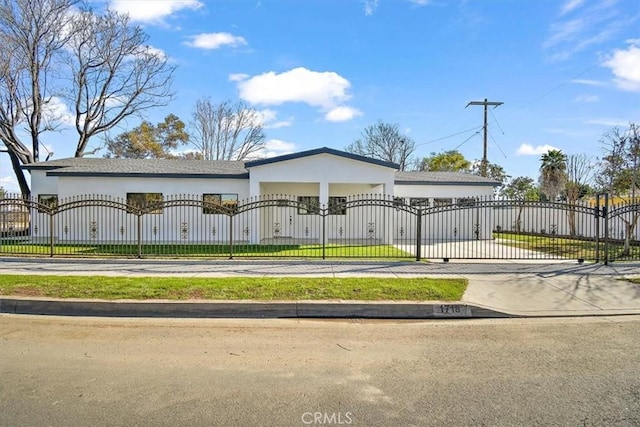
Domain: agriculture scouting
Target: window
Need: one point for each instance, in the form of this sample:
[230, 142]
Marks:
[421, 202]
[144, 200]
[337, 205]
[308, 205]
[49, 200]
[437, 202]
[466, 201]
[212, 201]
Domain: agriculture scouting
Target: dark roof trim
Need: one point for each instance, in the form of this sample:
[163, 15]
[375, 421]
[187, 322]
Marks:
[40, 166]
[323, 150]
[470, 183]
[149, 175]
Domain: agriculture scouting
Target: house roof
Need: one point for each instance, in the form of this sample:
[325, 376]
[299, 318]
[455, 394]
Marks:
[180, 168]
[442, 178]
[154, 168]
[323, 150]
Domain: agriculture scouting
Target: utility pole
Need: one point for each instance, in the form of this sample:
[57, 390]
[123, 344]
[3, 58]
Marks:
[485, 103]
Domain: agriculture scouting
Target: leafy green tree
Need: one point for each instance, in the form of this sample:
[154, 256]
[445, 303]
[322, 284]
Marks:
[619, 172]
[553, 173]
[384, 141]
[493, 171]
[521, 189]
[445, 161]
[148, 141]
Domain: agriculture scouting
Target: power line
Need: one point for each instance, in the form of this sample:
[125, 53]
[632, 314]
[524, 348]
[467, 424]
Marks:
[464, 142]
[496, 144]
[497, 123]
[449, 136]
[560, 86]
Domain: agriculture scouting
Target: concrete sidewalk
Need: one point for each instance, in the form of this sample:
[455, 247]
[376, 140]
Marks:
[495, 289]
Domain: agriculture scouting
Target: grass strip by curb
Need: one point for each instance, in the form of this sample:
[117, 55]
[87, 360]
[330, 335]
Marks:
[234, 288]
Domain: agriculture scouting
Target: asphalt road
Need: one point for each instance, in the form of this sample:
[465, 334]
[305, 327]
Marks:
[150, 372]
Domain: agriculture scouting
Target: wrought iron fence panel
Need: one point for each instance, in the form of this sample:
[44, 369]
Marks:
[93, 225]
[368, 226]
[360, 226]
[277, 225]
[622, 232]
[510, 229]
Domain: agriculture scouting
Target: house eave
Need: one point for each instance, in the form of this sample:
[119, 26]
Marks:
[147, 175]
[323, 150]
[473, 184]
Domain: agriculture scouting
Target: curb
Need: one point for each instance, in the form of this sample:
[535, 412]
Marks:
[250, 310]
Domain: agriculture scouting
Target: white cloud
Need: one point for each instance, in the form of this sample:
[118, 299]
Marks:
[319, 89]
[326, 90]
[607, 121]
[625, 65]
[213, 41]
[268, 118]
[420, 2]
[342, 114]
[152, 11]
[529, 150]
[10, 184]
[370, 6]
[592, 24]
[275, 147]
[238, 77]
[588, 82]
[586, 98]
[56, 111]
[150, 51]
[570, 5]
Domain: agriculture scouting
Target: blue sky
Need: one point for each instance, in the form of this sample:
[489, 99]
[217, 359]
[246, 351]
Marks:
[320, 71]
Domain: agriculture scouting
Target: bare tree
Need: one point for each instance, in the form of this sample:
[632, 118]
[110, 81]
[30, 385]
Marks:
[579, 174]
[620, 173]
[51, 52]
[226, 131]
[115, 73]
[384, 141]
[32, 39]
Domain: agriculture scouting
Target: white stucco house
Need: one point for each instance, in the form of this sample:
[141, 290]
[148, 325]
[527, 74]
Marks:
[321, 177]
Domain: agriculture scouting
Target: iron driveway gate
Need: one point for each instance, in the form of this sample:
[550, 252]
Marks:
[474, 228]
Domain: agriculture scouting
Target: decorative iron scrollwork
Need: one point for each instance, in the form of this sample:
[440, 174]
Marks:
[371, 230]
[93, 230]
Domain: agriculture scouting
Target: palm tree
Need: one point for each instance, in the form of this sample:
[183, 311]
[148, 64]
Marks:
[553, 173]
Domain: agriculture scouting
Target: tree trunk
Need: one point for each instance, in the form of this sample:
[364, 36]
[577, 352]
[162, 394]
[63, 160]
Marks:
[571, 216]
[518, 219]
[22, 180]
[629, 228]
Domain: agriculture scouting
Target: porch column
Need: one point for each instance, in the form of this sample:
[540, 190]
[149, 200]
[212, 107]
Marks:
[323, 195]
[254, 215]
[390, 226]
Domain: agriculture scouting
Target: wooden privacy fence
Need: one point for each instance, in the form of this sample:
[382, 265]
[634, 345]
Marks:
[362, 226]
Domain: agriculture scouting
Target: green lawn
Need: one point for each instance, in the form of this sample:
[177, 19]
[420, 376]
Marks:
[565, 247]
[205, 250]
[233, 288]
